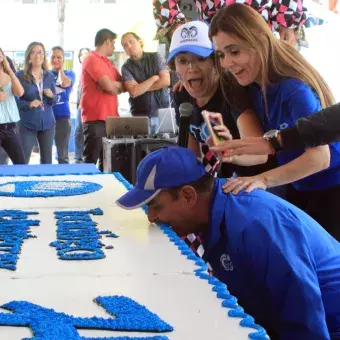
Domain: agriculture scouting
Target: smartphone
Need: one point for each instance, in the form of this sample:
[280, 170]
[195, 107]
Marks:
[215, 138]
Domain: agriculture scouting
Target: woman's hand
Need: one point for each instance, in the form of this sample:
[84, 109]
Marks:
[246, 146]
[178, 87]
[48, 93]
[36, 103]
[222, 132]
[6, 66]
[235, 185]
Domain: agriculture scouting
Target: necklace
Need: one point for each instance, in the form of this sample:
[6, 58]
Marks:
[37, 77]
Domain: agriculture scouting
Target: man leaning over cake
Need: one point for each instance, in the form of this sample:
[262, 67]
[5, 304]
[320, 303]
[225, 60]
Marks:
[283, 267]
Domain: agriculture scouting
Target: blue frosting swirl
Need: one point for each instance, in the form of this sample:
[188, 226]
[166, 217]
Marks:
[48, 324]
[14, 230]
[47, 188]
[78, 236]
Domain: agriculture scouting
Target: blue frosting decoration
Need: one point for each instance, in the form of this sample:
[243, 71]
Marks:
[47, 188]
[14, 229]
[220, 288]
[78, 236]
[46, 323]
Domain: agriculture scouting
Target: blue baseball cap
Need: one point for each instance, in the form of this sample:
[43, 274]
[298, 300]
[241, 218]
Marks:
[162, 169]
[192, 37]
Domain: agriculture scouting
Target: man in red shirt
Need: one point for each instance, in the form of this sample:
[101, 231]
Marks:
[101, 83]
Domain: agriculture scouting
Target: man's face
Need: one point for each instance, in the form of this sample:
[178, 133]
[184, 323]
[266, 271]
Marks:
[110, 47]
[131, 46]
[179, 212]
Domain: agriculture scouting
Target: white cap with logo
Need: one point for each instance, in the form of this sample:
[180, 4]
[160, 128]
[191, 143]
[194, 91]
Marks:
[192, 37]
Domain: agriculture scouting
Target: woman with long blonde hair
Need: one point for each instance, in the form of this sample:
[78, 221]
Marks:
[282, 87]
[35, 106]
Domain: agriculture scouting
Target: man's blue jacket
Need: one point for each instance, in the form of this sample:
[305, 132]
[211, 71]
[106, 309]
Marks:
[280, 263]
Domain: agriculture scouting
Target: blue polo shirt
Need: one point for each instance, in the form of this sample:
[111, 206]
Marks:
[281, 264]
[287, 101]
[36, 118]
[62, 107]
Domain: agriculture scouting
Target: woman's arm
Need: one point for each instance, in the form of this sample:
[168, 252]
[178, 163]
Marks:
[65, 80]
[17, 88]
[300, 102]
[321, 128]
[249, 126]
[310, 162]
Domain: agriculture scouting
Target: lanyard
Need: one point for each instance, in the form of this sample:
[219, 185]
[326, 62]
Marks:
[40, 86]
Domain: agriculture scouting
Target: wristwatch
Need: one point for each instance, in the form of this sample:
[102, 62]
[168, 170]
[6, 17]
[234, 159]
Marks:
[272, 137]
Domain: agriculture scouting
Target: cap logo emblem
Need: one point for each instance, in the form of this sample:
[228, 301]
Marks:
[188, 33]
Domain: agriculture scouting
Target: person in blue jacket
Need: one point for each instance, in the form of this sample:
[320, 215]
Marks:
[280, 263]
[35, 106]
[64, 84]
[282, 87]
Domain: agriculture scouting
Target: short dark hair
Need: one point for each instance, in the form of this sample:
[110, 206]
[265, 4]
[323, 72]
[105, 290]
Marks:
[202, 185]
[102, 35]
[135, 35]
[58, 48]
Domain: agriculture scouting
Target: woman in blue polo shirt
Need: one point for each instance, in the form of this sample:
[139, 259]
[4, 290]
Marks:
[35, 106]
[283, 87]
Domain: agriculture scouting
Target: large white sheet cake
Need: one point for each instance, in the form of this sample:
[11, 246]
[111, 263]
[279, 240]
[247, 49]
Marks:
[144, 265]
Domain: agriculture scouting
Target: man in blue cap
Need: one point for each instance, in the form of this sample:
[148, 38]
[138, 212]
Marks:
[280, 263]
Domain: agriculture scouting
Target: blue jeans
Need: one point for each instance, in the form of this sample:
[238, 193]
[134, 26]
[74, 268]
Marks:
[45, 141]
[79, 138]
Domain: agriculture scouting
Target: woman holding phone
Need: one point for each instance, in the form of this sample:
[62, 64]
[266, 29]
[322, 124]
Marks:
[282, 87]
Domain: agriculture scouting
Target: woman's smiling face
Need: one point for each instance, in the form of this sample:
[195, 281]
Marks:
[235, 58]
[198, 75]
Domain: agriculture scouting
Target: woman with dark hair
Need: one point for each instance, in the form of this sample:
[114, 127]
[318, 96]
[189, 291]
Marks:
[35, 106]
[9, 114]
[79, 132]
[282, 87]
[196, 68]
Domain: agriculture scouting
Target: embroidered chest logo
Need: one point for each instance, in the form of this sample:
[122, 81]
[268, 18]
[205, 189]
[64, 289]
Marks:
[226, 263]
[283, 126]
